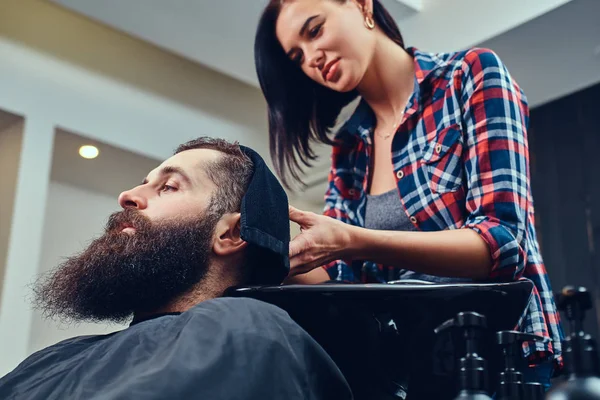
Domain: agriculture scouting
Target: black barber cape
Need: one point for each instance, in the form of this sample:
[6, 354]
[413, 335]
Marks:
[225, 348]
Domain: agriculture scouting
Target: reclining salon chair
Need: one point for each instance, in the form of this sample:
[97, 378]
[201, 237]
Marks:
[383, 337]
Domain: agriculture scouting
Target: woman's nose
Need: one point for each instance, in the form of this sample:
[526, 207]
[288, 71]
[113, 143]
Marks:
[316, 59]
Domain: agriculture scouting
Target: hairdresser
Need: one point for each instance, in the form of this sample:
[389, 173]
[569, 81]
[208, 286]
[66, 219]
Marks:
[430, 175]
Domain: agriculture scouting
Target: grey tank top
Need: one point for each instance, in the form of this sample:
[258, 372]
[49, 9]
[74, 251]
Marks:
[385, 212]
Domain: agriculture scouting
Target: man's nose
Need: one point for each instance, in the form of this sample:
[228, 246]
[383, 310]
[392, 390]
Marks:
[133, 198]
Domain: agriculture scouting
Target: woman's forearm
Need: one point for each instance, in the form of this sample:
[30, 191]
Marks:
[453, 253]
[317, 275]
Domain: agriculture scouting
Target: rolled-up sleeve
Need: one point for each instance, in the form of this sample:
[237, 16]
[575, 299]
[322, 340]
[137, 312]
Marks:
[495, 117]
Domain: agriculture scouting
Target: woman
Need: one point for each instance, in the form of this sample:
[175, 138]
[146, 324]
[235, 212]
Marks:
[430, 175]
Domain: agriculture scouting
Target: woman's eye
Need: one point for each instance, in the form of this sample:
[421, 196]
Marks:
[315, 31]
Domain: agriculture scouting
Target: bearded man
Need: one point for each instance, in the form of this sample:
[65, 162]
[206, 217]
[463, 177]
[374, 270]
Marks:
[210, 217]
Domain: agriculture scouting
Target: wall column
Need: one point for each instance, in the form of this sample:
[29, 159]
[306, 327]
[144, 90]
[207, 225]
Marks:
[25, 241]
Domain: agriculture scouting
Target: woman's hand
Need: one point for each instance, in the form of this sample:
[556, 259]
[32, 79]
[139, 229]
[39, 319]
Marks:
[322, 240]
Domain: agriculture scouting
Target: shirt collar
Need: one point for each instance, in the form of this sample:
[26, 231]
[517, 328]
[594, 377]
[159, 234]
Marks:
[425, 63]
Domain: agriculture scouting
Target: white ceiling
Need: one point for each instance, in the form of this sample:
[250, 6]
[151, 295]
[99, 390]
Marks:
[551, 47]
[112, 172]
[220, 34]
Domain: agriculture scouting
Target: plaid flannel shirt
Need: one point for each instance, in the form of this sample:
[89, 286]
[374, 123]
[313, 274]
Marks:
[461, 162]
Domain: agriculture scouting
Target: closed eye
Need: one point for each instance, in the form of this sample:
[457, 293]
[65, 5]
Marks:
[167, 188]
[315, 31]
[296, 55]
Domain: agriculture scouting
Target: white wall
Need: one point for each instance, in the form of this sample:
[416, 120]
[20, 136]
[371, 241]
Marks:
[61, 70]
[10, 148]
[73, 217]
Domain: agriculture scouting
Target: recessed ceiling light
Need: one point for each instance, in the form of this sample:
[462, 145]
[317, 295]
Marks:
[88, 152]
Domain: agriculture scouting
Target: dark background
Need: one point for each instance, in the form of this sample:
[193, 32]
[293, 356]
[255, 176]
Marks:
[564, 140]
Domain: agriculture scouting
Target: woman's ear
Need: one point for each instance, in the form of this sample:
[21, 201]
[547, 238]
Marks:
[227, 236]
[365, 6]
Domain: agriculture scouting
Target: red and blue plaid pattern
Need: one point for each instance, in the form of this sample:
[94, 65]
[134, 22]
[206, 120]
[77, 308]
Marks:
[461, 162]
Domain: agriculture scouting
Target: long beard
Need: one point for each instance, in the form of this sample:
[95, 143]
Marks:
[120, 274]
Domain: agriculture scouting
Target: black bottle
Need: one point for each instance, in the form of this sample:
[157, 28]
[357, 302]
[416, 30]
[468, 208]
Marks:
[469, 327]
[579, 350]
[510, 383]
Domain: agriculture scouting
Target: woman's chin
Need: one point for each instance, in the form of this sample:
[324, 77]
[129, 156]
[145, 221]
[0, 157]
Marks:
[343, 86]
[347, 88]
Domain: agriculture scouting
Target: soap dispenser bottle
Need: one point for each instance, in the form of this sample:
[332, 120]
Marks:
[510, 382]
[579, 350]
[469, 327]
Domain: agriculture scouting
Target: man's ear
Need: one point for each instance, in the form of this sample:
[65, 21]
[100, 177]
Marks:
[228, 239]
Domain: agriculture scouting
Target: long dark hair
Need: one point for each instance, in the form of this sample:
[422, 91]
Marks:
[301, 111]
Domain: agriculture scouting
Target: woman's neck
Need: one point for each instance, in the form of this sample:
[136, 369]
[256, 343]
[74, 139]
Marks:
[389, 80]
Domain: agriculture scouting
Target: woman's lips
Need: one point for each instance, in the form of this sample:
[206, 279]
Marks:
[330, 72]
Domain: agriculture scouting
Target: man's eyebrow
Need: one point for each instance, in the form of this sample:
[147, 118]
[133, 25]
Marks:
[169, 170]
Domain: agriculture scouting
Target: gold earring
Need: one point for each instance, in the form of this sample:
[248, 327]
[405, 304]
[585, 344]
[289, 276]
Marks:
[369, 22]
